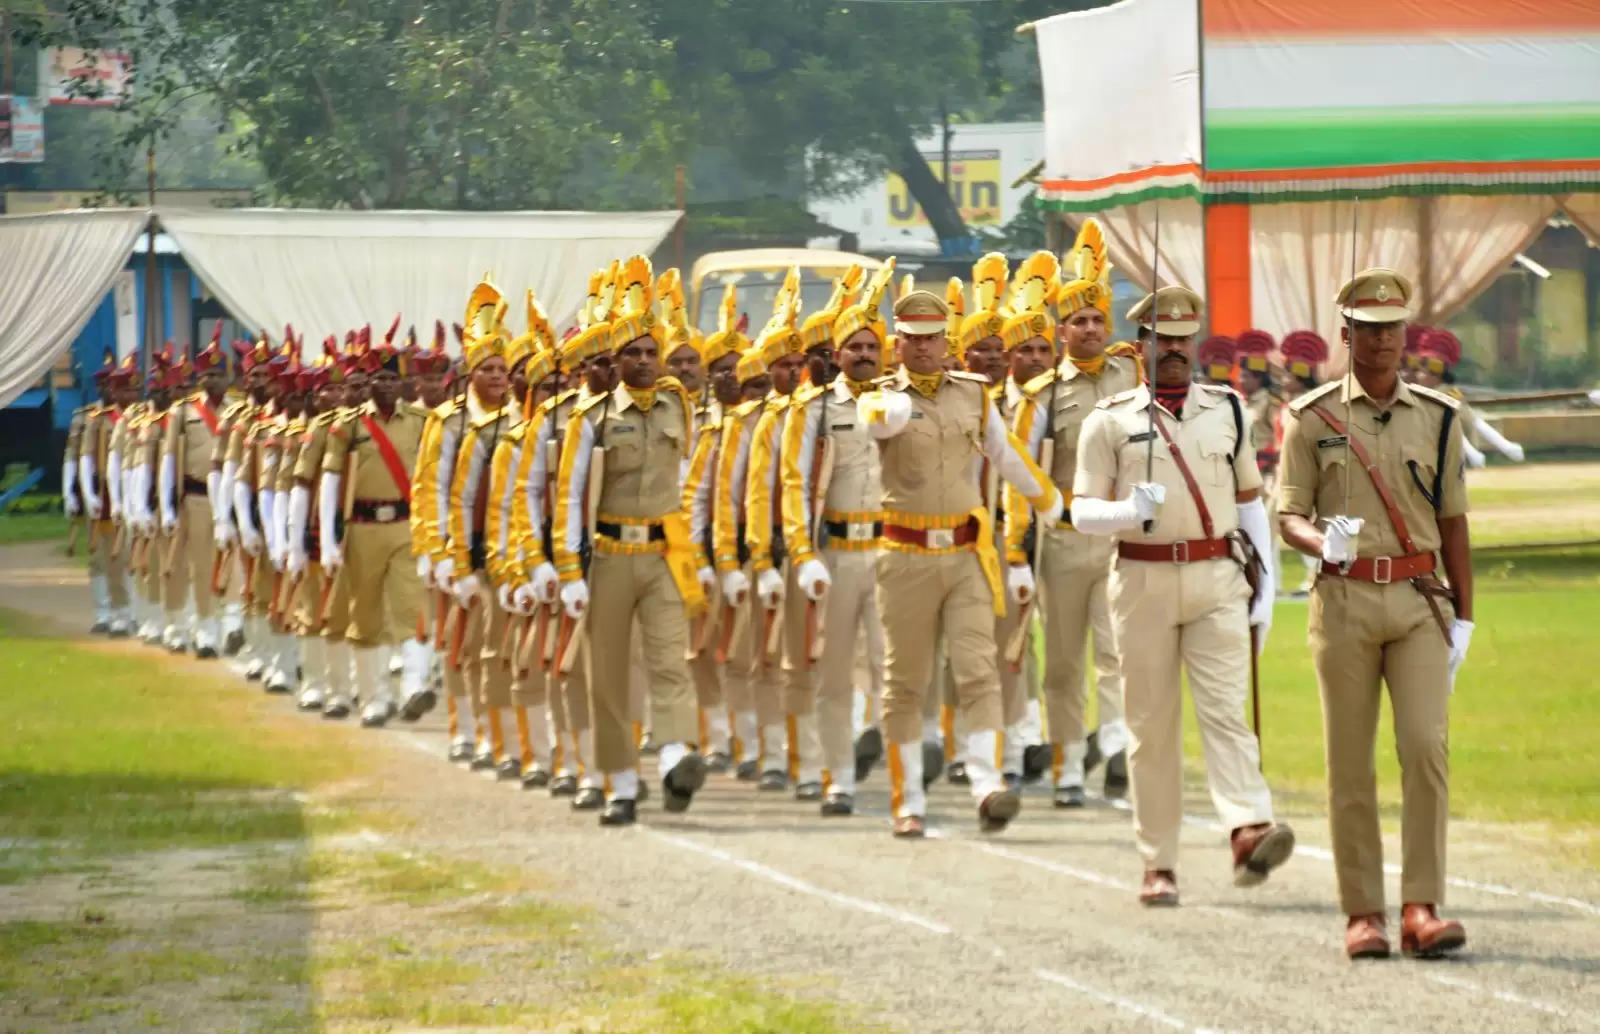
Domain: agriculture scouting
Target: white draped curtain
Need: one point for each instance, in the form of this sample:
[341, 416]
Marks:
[1450, 247]
[1130, 235]
[54, 271]
[1584, 210]
[326, 272]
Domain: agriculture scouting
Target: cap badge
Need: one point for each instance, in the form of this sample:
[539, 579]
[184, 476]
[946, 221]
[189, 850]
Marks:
[1383, 292]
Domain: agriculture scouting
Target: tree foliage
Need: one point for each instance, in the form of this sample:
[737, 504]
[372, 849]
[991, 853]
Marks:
[489, 104]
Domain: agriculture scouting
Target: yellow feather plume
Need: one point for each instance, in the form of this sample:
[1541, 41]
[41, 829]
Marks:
[1089, 253]
[728, 309]
[786, 305]
[907, 284]
[605, 302]
[636, 289]
[956, 299]
[989, 276]
[674, 310]
[1035, 282]
[846, 288]
[539, 323]
[591, 301]
[486, 309]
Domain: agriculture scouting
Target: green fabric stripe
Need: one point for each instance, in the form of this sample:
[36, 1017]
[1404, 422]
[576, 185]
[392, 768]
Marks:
[1229, 196]
[1261, 139]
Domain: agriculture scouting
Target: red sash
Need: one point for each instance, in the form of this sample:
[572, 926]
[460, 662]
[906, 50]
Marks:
[390, 456]
[210, 418]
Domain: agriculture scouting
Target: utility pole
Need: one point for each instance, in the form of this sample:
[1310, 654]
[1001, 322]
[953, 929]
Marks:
[152, 283]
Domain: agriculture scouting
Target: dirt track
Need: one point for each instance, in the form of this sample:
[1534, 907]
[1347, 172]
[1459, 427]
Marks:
[1035, 929]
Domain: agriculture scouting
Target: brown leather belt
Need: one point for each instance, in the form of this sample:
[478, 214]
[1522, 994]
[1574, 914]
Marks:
[1186, 551]
[932, 538]
[1382, 570]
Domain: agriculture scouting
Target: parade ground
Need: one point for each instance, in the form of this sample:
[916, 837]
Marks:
[180, 851]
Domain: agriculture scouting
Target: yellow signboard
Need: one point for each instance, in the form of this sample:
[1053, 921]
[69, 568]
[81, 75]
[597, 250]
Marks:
[974, 183]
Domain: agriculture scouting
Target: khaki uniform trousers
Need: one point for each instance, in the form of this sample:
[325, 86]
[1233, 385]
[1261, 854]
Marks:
[113, 565]
[848, 609]
[703, 667]
[623, 589]
[1362, 634]
[193, 567]
[919, 593]
[1076, 569]
[261, 578]
[488, 682]
[302, 610]
[748, 684]
[569, 710]
[1174, 618]
[385, 592]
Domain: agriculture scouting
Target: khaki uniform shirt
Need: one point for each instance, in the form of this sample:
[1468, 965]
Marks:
[348, 439]
[855, 488]
[1116, 440]
[1405, 448]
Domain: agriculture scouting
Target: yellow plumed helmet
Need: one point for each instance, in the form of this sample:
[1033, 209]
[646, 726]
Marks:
[537, 338]
[594, 330]
[818, 327]
[1031, 292]
[908, 283]
[779, 337]
[1090, 286]
[484, 332]
[752, 364]
[635, 316]
[955, 299]
[727, 338]
[989, 275]
[674, 313]
[867, 314]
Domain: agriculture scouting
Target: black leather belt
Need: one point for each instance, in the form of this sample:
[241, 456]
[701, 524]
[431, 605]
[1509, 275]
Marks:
[194, 486]
[841, 529]
[369, 511]
[654, 532]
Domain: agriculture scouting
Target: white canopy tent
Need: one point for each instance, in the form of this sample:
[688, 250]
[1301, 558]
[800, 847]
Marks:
[323, 271]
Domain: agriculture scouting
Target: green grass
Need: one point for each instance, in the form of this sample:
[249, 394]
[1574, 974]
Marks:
[1523, 746]
[33, 527]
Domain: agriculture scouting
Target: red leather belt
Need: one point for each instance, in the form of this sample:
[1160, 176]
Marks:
[932, 538]
[1186, 551]
[1382, 570]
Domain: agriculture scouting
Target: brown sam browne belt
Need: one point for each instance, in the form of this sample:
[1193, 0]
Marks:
[1186, 551]
[1381, 570]
[932, 538]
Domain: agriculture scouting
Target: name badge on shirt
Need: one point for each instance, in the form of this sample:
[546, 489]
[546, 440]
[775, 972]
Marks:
[1333, 442]
[1067, 407]
[917, 414]
[843, 427]
[624, 427]
[1142, 436]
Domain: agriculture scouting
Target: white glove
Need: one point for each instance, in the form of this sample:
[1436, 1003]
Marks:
[1514, 452]
[250, 540]
[523, 599]
[1339, 539]
[708, 580]
[222, 534]
[466, 588]
[95, 510]
[332, 557]
[71, 504]
[546, 584]
[575, 598]
[769, 586]
[734, 587]
[1147, 499]
[443, 572]
[297, 561]
[814, 578]
[502, 596]
[1052, 513]
[885, 413]
[1474, 458]
[1460, 639]
[169, 522]
[1594, 397]
[425, 571]
[1019, 583]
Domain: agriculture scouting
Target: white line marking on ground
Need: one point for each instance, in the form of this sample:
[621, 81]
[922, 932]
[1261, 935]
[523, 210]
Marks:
[1510, 997]
[898, 915]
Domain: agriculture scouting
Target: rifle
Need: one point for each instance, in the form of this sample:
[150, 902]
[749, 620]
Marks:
[1017, 645]
[1255, 694]
[821, 477]
[72, 536]
[441, 618]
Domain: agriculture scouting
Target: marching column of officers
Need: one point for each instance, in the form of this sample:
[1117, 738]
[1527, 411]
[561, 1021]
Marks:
[791, 556]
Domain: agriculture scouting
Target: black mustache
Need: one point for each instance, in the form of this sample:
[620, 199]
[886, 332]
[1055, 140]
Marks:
[1172, 355]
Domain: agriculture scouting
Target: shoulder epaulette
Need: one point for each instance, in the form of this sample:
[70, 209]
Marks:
[747, 407]
[1435, 395]
[1119, 397]
[1123, 350]
[1311, 396]
[806, 392]
[325, 418]
[963, 375]
[1219, 389]
[586, 404]
[1039, 383]
[490, 419]
[446, 409]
